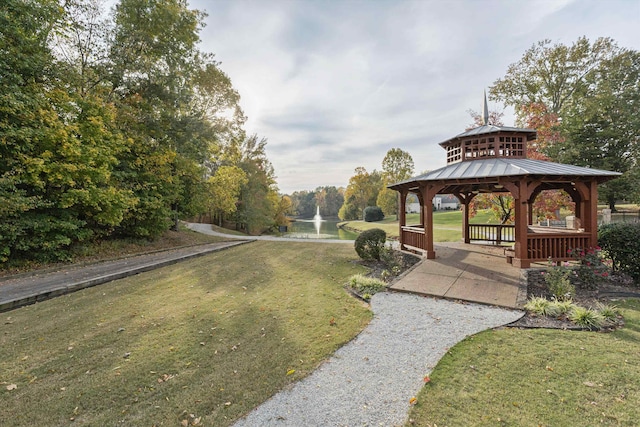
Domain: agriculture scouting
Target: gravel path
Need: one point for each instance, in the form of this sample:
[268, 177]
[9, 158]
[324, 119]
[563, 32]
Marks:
[369, 381]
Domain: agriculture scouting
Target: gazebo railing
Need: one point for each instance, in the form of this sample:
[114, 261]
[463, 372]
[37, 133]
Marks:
[496, 233]
[413, 235]
[556, 246]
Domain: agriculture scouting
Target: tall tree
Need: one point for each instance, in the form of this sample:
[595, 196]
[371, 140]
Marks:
[26, 117]
[259, 200]
[554, 75]
[154, 59]
[59, 148]
[592, 89]
[604, 130]
[224, 191]
[361, 192]
[397, 166]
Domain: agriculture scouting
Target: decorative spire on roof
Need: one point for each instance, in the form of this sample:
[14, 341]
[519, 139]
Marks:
[485, 111]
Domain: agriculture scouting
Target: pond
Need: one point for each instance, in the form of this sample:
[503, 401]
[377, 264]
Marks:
[323, 229]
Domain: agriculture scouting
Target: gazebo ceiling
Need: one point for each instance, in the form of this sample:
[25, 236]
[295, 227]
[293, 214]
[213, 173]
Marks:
[491, 170]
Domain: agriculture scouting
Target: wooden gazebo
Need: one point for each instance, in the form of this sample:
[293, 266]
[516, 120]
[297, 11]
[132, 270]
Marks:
[493, 159]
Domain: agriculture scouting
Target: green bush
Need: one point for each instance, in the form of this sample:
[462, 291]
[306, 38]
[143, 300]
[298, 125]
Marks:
[621, 241]
[370, 243]
[557, 279]
[373, 214]
[592, 267]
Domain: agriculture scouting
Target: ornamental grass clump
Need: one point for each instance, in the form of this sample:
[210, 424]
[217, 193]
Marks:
[564, 307]
[587, 318]
[609, 312]
[366, 286]
[553, 308]
[541, 306]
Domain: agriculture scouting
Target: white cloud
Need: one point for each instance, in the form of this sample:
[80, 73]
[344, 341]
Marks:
[335, 84]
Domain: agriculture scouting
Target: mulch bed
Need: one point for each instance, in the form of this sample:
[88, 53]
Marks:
[615, 288]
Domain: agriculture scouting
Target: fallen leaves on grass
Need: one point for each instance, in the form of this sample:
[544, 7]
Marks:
[291, 372]
[11, 387]
[165, 378]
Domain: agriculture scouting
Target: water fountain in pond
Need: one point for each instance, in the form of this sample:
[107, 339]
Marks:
[317, 219]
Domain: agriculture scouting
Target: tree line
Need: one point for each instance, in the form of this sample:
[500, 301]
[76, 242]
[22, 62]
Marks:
[116, 124]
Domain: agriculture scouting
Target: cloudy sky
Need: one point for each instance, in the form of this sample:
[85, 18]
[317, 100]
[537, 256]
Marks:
[334, 85]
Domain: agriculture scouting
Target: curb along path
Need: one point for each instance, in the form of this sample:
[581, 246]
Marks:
[27, 289]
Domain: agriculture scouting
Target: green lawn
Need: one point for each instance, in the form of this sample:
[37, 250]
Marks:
[216, 336]
[537, 377]
[447, 225]
[213, 337]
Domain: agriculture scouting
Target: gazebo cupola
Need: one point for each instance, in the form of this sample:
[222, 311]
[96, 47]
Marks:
[488, 141]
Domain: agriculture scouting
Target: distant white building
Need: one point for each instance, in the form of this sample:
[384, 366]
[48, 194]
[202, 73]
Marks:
[413, 207]
[440, 202]
[446, 202]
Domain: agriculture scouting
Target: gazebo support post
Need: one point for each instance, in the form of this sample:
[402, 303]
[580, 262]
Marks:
[465, 200]
[590, 212]
[402, 216]
[520, 198]
[428, 193]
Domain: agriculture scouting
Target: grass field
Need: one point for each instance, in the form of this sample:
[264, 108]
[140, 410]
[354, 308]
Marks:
[447, 225]
[212, 337]
[205, 341]
[537, 377]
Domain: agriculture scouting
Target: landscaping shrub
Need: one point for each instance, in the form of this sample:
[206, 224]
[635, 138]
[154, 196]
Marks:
[592, 267]
[373, 214]
[557, 279]
[370, 243]
[391, 259]
[621, 241]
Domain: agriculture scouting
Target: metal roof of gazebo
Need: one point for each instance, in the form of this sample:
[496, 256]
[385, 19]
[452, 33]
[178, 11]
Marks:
[488, 168]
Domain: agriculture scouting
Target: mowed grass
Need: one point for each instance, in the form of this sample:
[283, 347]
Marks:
[204, 340]
[447, 225]
[537, 377]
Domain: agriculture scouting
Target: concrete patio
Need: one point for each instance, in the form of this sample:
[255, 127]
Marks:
[474, 273]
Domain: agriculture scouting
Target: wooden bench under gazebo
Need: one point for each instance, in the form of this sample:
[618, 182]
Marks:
[493, 159]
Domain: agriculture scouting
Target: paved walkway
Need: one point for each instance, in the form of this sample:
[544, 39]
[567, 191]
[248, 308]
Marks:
[474, 273]
[206, 229]
[25, 289]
